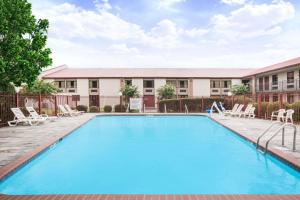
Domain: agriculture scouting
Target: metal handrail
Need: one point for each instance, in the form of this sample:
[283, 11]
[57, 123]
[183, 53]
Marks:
[283, 134]
[186, 109]
[261, 135]
[165, 106]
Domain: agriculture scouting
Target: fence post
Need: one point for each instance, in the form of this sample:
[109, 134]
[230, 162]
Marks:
[17, 100]
[259, 106]
[68, 100]
[202, 104]
[40, 99]
[55, 104]
[180, 106]
[280, 101]
[158, 108]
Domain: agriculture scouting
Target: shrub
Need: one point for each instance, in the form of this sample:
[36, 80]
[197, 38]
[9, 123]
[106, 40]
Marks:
[240, 89]
[82, 108]
[94, 109]
[107, 108]
[118, 108]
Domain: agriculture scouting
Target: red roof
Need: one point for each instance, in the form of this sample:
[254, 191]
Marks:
[147, 73]
[282, 65]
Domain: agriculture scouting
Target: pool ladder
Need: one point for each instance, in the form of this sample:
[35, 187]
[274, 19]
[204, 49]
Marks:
[280, 129]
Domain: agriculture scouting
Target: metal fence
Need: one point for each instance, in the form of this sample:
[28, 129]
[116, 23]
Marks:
[43, 104]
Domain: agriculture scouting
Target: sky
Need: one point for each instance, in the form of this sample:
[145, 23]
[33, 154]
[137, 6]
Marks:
[171, 33]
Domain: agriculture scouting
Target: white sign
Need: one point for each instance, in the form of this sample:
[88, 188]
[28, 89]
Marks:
[135, 103]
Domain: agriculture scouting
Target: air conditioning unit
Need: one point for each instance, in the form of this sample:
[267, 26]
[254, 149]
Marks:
[71, 90]
[182, 91]
[94, 91]
[215, 91]
[148, 91]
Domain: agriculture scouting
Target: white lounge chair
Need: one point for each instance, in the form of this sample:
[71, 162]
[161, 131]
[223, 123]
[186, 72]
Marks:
[246, 111]
[21, 118]
[278, 115]
[74, 112]
[251, 113]
[63, 112]
[288, 118]
[234, 108]
[238, 111]
[34, 114]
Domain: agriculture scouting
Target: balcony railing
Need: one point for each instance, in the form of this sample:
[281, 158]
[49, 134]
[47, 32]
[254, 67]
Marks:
[281, 86]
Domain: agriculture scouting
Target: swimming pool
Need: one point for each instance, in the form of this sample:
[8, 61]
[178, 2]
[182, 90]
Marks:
[153, 155]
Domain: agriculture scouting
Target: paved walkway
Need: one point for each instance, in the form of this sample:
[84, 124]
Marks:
[252, 128]
[17, 141]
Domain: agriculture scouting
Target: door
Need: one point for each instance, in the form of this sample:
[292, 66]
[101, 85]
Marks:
[94, 100]
[149, 101]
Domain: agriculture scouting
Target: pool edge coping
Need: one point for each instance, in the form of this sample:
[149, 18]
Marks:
[12, 167]
[9, 169]
[286, 159]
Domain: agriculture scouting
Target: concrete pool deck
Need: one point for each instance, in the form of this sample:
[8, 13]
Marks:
[17, 143]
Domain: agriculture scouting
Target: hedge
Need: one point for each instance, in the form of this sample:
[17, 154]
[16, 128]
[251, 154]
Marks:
[107, 108]
[94, 109]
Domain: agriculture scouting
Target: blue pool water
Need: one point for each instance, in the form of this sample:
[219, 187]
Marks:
[153, 155]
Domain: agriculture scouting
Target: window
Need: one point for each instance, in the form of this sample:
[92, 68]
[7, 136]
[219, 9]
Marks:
[275, 79]
[226, 84]
[260, 84]
[275, 98]
[183, 84]
[290, 79]
[290, 98]
[266, 82]
[215, 84]
[93, 83]
[128, 82]
[71, 84]
[60, 84]
[148, 83]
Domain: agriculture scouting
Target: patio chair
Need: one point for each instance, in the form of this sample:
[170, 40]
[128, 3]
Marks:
[251, 113]
[238, 111]
[288, 118]
[74, 112]
[246, 111]
[278, 115]
[34, 114]
[234, 108]
[19, 117]
[63, 112]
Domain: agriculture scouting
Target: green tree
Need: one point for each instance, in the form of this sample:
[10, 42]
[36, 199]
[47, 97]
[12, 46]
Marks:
[130, 91]
[240, 89]
[40, 86]
[166, 92]
[23, 38]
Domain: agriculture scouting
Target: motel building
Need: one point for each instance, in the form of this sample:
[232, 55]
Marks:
[101, 86]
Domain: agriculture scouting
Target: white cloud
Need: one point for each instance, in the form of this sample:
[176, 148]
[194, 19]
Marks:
[123, 48]
[82, 37]
[102, 5]
[254, 20]
[231, 2]
[168, 4]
